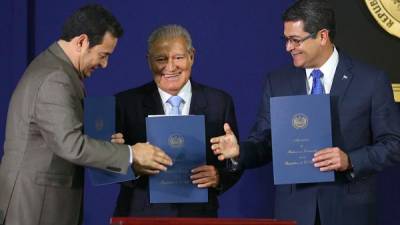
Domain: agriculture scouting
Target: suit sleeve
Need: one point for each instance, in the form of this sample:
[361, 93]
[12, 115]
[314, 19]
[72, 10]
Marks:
[119, 117]
[58, 113]
[256, 150]
[229, 176]
[385, 127]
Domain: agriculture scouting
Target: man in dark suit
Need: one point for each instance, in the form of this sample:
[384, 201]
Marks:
[41, 172]
[366, 123]
[171, 56]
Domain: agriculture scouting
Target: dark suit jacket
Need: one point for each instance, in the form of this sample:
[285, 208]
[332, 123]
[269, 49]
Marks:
[366, 125]
[132, 107]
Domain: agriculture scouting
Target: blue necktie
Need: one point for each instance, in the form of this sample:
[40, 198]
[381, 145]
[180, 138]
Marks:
[175, 101]
[317, 86]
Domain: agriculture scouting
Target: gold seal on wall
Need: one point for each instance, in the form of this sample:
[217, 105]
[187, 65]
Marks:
[387, 14]
[396, 92]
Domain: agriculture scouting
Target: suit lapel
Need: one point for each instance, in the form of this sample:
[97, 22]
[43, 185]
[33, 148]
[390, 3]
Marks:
[341, 80]
[152, 102]
[153, 105]
[342, 77]
[298, 82]
[198, 103]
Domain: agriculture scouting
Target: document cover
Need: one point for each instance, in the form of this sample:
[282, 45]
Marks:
[183, 139]
[99, 123]
[300, 126]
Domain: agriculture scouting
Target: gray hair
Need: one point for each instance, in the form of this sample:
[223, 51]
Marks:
[169, 31]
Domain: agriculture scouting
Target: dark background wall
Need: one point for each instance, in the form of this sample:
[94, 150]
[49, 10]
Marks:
[236, 41]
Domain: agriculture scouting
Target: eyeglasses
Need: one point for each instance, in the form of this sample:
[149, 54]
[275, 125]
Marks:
[297, 41]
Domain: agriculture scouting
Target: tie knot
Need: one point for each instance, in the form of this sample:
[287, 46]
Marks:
[175, 101]
[317, 74]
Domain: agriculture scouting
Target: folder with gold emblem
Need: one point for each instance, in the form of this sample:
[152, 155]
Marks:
[183, 139]
[300, 126]
[99, 123]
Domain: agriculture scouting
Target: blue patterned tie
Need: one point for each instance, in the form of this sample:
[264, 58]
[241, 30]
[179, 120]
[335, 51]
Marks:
[175, 101]
[317, 86]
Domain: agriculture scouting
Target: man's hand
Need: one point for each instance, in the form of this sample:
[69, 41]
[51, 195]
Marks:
[205, 176]
[329, 159]
[117, 138]
[225, 146]
[149, 159]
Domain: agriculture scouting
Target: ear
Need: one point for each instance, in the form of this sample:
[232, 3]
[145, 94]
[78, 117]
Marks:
[324, 36]
[192, 52]
[81, 42]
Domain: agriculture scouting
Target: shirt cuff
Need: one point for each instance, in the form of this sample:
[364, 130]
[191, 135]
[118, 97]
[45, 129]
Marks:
[130, 154]
[131, 161]
[233, 165]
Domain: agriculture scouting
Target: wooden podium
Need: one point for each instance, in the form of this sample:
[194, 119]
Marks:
[195, 221]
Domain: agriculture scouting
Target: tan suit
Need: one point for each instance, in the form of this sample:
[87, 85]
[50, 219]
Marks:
[41, 177]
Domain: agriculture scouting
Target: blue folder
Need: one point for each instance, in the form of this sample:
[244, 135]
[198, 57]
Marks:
[300, 126]
[183, 139]
[99, 123]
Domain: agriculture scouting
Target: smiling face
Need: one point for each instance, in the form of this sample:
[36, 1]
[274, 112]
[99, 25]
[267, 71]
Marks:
[171, 62]
[308, 53]
[96, 56]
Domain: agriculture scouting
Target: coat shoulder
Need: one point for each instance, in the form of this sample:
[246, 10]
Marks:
[211, 92]
[137, 92]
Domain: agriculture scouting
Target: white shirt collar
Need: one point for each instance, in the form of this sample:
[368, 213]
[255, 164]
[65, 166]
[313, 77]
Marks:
[185, 93]
[328, 69]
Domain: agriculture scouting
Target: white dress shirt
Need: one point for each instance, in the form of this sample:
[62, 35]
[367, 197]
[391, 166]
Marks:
[328, 69]
[185, 93]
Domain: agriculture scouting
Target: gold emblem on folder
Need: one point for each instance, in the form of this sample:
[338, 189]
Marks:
[300, 121]
[99, 124]
[176, 141]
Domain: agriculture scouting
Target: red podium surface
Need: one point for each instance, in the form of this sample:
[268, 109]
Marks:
[195, 221]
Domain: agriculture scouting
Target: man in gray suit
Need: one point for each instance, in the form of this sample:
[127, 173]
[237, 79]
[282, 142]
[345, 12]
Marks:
[41, 173]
